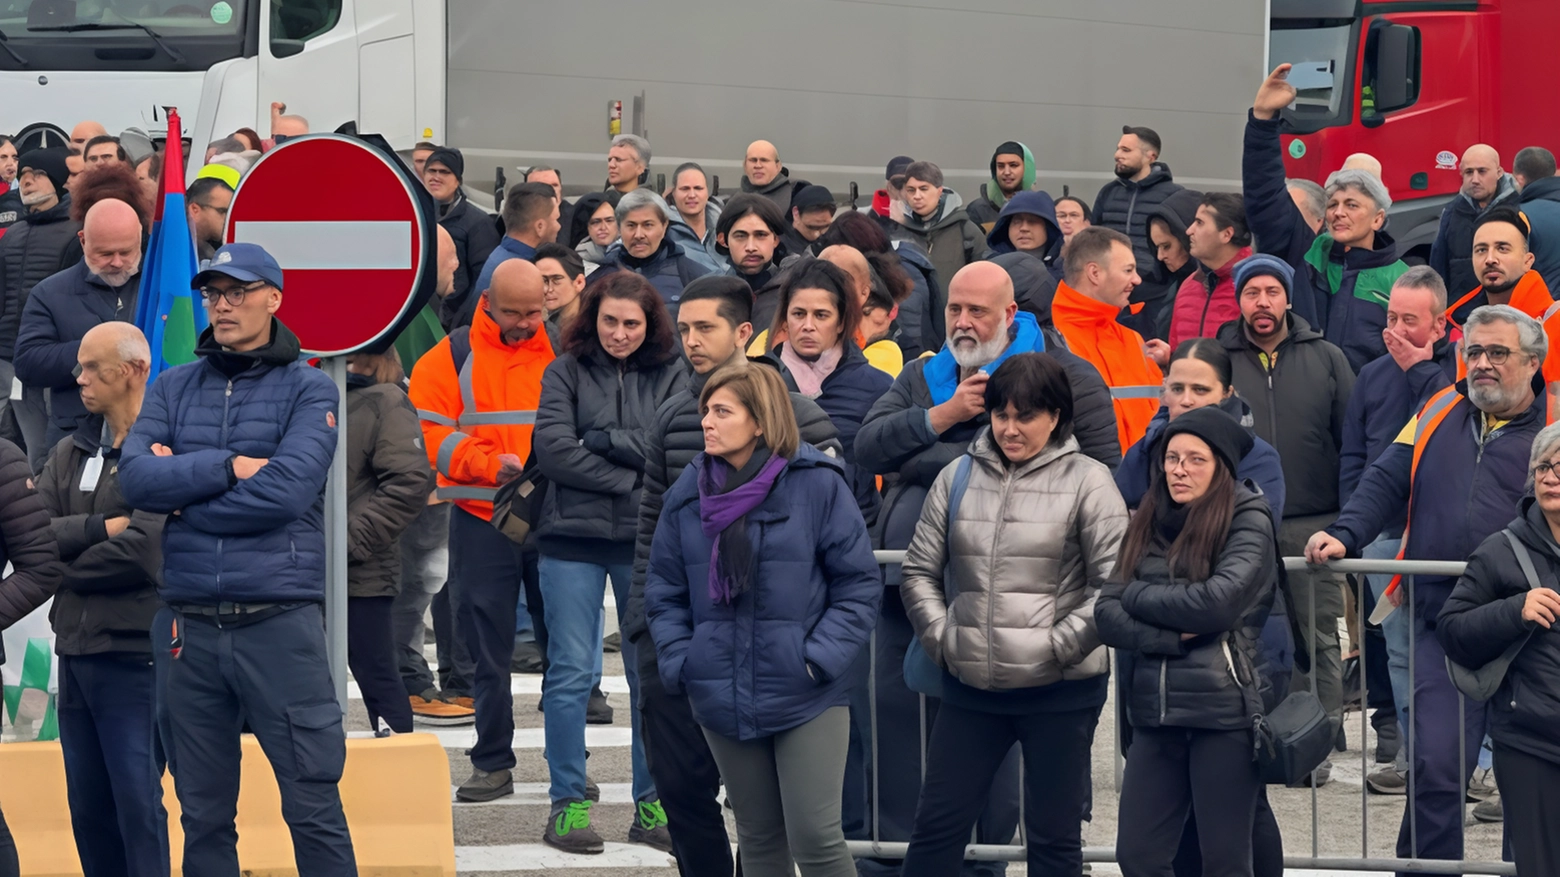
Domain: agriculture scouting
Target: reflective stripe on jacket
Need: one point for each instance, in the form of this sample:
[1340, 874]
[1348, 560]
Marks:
[1092, 332]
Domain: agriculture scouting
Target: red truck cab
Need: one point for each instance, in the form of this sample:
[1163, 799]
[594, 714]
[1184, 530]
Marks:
[1414, 83]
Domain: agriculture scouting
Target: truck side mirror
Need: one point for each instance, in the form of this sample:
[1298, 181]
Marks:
[1397, 67]
[286, 48]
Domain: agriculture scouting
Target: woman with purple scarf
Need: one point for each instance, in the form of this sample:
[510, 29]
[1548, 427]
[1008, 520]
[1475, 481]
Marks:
[761, 592]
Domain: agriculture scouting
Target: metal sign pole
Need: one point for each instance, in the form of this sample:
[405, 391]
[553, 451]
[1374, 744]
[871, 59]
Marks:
[336, 539]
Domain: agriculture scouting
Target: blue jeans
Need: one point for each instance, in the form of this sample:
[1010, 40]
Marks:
[113, 765]
[572, 593]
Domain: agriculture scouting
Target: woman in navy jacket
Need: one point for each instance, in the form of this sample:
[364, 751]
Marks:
[761, 591]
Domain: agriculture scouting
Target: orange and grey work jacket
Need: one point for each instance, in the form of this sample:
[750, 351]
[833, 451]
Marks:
[472, 415]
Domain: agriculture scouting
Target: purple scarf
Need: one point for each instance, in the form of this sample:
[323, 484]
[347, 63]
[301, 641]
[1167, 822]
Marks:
[722, 518]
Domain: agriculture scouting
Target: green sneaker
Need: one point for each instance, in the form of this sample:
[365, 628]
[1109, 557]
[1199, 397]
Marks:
[649, 826]
[568, 828]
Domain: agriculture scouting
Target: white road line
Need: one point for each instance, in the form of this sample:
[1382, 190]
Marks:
[534, 794]
[526, 683]
[596, 737]
[540, 857]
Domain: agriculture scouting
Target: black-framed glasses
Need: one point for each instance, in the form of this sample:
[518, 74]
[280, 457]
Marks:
[1544, 470]
[1496, 354]
[220, 211]
[233, 296]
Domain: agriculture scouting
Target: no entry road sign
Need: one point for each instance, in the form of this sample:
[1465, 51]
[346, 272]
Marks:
[351, 233]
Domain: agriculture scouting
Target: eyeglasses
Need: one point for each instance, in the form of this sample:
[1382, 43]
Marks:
[220, 211]
[1497, 355]
[603, 221]
[1544, 470]
[551, 280]
[233, 296]
[1190, 461]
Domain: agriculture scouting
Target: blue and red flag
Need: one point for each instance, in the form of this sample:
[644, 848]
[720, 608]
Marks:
[168, 311]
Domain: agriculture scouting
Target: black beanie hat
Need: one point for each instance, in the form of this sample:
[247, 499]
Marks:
[1213, 425]
[51, 162]
[451, 158]
[1012, 147]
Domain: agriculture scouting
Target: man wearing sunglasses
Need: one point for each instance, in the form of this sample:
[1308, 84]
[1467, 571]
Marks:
[234, 448]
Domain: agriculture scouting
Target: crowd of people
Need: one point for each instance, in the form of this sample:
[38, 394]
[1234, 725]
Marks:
[1089, 426]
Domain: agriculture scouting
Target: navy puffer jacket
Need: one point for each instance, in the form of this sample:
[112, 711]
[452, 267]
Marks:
[259, 540]
[668, 269]
[814, 599]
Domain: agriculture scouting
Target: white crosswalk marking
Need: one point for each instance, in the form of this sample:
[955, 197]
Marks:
[596, 737]
[535, 794]
[530, 684]
[540, 857]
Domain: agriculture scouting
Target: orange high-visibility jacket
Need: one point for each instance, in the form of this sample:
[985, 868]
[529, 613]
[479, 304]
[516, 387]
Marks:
[487, 408]
[1531, 296]
[1092, 332]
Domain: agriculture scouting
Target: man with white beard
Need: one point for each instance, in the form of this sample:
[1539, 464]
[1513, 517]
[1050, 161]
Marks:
[923, 423]
[100, 288]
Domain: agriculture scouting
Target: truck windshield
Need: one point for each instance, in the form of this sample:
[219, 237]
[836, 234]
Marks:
[122, 34]
[1322, 73]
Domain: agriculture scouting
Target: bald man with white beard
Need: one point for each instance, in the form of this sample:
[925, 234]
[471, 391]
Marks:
[61, 310]
[1484, 186]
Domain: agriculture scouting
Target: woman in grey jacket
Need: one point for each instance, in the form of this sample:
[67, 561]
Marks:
[619, 361]
[999, 582]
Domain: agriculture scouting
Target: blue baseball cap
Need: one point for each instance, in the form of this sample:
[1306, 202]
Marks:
[246, 263]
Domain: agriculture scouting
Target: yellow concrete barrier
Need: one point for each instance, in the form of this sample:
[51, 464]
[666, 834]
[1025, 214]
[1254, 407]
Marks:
[396, 792]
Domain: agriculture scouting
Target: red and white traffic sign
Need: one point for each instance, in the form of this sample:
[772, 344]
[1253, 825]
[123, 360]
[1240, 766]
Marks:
[348, 231]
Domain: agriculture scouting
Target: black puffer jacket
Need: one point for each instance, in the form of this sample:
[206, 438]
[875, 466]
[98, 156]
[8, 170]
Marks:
[1125, 205]
[1157, 292]
[475, 237]
[1483, 617]
[30, 251]
[388, 480]
[26, 541]
[590, 441]
[1170, 682]
[108, 597]
[673, 440]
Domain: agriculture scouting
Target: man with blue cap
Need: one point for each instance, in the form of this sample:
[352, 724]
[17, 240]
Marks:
[235, 448]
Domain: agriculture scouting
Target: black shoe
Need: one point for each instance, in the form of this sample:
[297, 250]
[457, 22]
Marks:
[486, 786]
[1341, 741]
[597, 710]
[568, 829]
[527, 658]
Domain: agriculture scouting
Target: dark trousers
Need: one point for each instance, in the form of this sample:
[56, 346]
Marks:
[425, 565]
[485, 583]
[1530, 797]
[900, 712]
[162, 666]
[1434, 817]
[113, 766]
[9, 865]
[1267, 845]
[372, 660]
[966, 751]
[1172, 773]
[685, 774]
[274, 675]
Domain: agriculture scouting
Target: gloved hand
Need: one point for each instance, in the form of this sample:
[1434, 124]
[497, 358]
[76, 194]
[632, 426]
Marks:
[597, 442]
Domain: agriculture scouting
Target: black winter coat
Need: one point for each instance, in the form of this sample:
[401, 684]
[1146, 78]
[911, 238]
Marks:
[1170, 682]
[475, 236]
[388, 481]
[30, 251]
[107, 599]
[673, 440]
[1299, 408]
[1157, 292]
[59, 313]
[1451, 255]
[1483, 617]
[1125, 205]
[26, 541]
[590, 442]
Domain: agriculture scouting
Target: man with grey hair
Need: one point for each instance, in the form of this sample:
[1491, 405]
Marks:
[1484, 187]
[646, 248]
[1312, 201]
[1456, 471]
[1343, 271]
[1389, 389]
[628, 162]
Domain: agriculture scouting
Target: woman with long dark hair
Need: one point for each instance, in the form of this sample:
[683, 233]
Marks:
[619, 362]
[1190, 593]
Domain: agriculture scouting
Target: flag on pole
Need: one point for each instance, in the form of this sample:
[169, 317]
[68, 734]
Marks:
[168, 311]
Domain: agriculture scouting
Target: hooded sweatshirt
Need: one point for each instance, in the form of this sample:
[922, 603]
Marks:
[1035, 204]
[948, 236]
[1148, 311]
[988, 207]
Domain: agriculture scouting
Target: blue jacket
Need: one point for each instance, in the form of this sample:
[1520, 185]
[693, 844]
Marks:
[1540, 202]
[1343, 294]
[849, 392]
[259, 540]
[58, 314]
[668, 269]
[1468, 487]
[1385, 397]
[1035, 204]
[1260, 466]
[813, 603]
[1451, 254]
[508, 248]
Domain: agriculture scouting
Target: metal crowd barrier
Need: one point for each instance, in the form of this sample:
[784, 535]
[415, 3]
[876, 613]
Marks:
[876, 847]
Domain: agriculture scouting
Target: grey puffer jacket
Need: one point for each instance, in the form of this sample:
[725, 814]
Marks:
[388, 480]
[589, 440]
[1028, 551]
[1167, 681]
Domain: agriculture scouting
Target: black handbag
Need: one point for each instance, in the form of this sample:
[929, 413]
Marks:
[517, 506]
[1292, 738]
